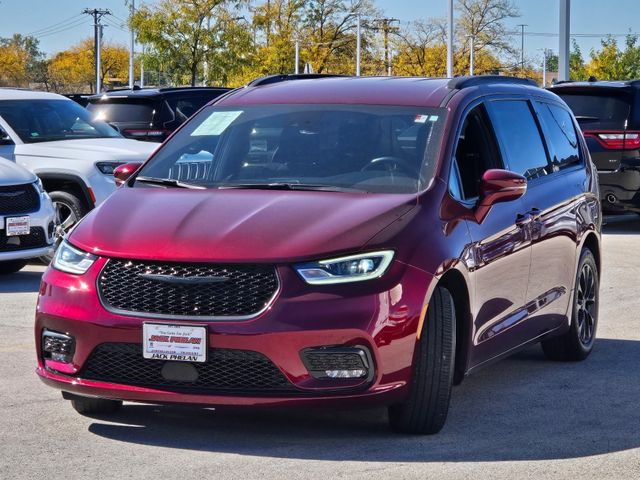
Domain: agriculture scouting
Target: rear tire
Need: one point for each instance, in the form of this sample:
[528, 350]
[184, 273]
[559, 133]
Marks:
[425, 411]
[95, 406]
[577, 343]
[11, 266]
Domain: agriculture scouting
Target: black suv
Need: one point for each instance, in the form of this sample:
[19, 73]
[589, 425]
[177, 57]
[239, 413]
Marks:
[609, 116]
[151, 114]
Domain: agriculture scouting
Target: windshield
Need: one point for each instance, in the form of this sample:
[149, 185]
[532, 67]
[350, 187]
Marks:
[50, 120]
[122, 110]
[379, 149]
[602, 109]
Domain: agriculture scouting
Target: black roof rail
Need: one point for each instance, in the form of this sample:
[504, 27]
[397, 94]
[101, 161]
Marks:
[459, 83]
[268, 80]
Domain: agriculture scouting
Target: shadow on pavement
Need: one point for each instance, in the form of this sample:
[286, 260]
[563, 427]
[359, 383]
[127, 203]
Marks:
[523, 408]
[21, 282]
[621, 224]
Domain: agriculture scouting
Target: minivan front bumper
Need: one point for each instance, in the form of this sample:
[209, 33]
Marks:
[379, 316]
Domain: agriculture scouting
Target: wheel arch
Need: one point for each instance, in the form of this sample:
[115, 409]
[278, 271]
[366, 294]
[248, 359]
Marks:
[68, 183]
[592, 242]
[454, 281]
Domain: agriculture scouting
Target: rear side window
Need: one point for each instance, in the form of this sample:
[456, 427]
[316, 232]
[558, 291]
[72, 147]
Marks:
[519, 137]
[122, 110]
[599, 110]
[561, 136]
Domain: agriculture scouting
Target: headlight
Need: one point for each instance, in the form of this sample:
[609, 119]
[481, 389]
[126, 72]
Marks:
[71, 260]
[39, 186]
[108, 167]
[354, 268]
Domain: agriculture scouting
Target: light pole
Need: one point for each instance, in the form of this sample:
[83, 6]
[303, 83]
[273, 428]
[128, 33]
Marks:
[450, 40]
[297, 68]
[471, 41]
[358, 44]
[132, 45]
[565, 29]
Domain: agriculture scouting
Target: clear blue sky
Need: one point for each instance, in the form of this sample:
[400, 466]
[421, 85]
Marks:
[58, 23]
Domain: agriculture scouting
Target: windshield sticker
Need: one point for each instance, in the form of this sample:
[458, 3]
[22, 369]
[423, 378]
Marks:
[217, 123]
[421, 118]
[433, 118]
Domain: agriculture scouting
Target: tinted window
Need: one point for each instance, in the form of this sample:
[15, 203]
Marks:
[50, 120]
[122, 110]
[519, 137]
[367, 148]
[562, 135]
[608, 110]
[476, 152]
[185, 106]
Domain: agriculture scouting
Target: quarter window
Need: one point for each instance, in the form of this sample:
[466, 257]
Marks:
[519, 137]
[562, 135]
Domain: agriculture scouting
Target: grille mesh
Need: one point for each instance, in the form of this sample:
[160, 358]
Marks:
[17, 199]
[35, 239]
[224, 371]
[243, 290]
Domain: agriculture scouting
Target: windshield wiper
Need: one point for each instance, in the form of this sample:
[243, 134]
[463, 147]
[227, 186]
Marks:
[287, 186]
[586, 118]
[168, 182]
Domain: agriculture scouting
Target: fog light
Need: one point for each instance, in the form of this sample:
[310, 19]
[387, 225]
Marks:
[346, 373]
[338, 362]
[58, 346]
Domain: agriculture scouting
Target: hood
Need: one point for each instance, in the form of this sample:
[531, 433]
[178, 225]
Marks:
[114, 149]
[235, 225]
[12, 174]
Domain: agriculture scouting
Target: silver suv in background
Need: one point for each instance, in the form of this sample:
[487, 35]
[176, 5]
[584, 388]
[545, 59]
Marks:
[27, 218]
[72, 153]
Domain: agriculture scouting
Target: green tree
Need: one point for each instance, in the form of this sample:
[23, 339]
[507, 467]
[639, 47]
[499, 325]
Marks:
[183, 34]
[21, 61]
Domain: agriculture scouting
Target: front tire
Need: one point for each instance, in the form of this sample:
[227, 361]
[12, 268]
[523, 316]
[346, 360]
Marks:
[69, 210]
[577, 343]
[425, 411]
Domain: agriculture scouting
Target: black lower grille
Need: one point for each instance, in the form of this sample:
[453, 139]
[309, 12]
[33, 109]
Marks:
[193, 290]
[35, 239]
[17, 199]
[226, 371]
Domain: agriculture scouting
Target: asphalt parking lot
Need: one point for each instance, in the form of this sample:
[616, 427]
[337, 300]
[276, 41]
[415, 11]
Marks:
[524, 417]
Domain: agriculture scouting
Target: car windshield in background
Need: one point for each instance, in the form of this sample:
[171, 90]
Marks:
[50, 120]
[598, 109]
[378, 149]
[122, 110]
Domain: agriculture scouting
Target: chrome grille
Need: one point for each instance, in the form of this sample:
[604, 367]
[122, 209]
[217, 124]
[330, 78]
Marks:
[17, 199]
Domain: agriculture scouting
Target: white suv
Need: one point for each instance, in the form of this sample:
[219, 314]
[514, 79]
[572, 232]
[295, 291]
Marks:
[26, 218]
[73, 154]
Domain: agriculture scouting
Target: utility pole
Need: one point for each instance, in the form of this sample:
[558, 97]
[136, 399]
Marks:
[450, 40]
[132, 46]
[97, 14]
[297, 69]
[544, 67]
[387, 27]
[522, 25]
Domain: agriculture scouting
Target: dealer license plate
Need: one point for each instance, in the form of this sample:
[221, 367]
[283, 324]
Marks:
[17, 226]
[180, 343]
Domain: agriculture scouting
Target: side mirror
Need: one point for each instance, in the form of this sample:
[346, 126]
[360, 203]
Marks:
[498, 186]
[5, 139]
[122, 173]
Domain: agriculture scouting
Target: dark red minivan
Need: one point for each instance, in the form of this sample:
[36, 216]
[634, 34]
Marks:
[316, 241]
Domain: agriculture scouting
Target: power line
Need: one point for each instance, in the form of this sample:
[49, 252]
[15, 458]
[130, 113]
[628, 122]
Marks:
[61, 29]
[54, 26]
